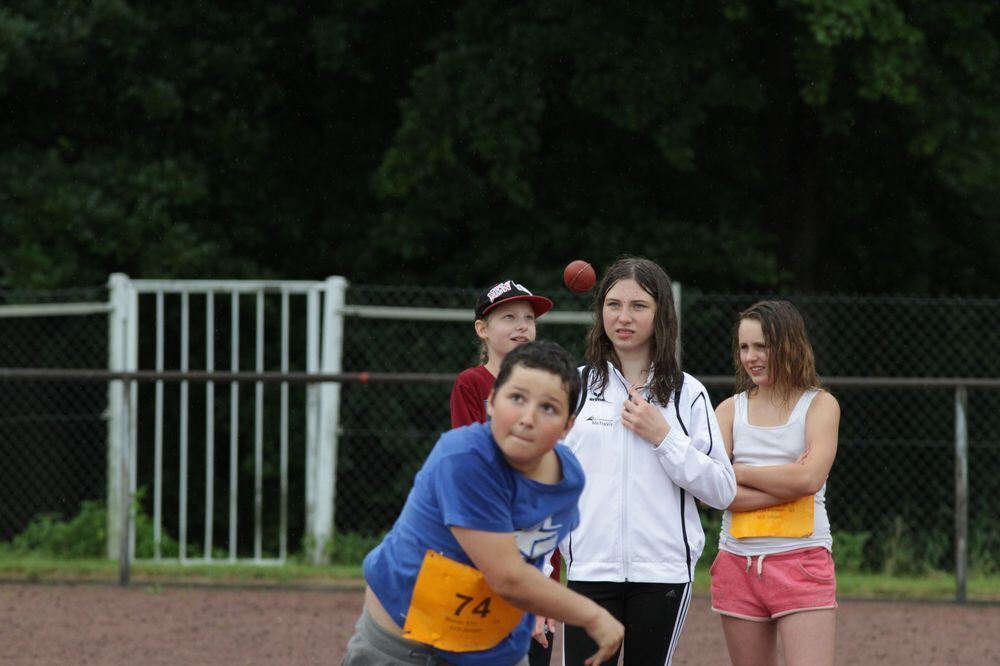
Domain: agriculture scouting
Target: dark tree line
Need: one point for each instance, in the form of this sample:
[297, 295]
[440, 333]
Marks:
[850, 146]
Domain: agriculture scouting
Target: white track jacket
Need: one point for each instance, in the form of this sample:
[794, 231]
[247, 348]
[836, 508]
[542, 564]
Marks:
[638, 519]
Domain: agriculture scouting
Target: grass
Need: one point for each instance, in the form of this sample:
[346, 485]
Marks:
[934, 586]
[54, 549]
[32, 569]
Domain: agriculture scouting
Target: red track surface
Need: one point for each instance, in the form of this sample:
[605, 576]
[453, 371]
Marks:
[93, 624]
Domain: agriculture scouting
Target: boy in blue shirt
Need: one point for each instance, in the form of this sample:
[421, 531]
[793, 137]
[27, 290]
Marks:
[451, 581]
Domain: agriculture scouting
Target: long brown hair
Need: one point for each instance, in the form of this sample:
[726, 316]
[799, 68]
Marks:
[790, 361]
[666, 374]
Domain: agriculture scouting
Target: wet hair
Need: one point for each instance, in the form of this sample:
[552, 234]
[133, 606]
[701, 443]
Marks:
[548, 356]
[484, 353]
[484, 350]
[666, 375]
[790, 360]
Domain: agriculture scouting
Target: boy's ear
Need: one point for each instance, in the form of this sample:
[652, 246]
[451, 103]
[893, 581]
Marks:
[489, 401]
[569, 426]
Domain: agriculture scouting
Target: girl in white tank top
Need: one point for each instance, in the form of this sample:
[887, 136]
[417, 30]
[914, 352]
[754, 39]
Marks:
[780, 430]
[774, 445]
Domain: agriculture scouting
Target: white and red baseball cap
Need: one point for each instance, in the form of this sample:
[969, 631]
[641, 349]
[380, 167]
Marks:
[507, 291]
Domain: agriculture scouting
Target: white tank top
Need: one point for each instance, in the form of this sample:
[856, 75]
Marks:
[774, 445]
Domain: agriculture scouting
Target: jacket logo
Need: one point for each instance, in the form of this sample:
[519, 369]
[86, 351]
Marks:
[598, 421]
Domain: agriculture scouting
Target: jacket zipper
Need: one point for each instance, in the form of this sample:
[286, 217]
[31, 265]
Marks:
[627, 459]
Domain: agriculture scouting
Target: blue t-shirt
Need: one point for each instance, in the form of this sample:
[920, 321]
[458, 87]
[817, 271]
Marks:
[466, 482]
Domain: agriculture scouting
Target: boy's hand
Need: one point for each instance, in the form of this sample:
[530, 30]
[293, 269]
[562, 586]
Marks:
[644, 419]
[544, 627]
[608, 633]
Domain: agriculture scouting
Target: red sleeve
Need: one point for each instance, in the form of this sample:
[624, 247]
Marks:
[465, 405]
[556, 562]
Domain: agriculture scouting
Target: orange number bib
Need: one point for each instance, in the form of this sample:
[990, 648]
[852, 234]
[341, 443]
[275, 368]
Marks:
[454, 609]
[792, 519]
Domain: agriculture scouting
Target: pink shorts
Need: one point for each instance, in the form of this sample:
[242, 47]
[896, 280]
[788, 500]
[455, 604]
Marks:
[766, 587]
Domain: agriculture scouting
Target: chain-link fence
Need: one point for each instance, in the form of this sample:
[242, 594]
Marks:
[52, 434]
[893, 483]
[890, 494]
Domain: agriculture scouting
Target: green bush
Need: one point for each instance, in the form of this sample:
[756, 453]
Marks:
[347, 548]
[85, 535]
[984, 547]
[351, 548]
[711, 523]
[898, 550]
[906, 551]
[82, 537]
[849, 550]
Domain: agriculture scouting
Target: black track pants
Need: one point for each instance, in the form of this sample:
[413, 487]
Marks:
[653, 615]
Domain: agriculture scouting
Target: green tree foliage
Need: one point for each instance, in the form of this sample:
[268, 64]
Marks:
[191, 139]
[831, 145]
[820, 144]
[94, 174]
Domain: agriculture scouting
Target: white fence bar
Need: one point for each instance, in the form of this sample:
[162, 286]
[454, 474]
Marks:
[258, 436]
[312, 410]
[158, 437]
[209, 423]
[227, 286]
[132, 341]
[234, 422]
[54, 309]
[283, 509]
[183, 510]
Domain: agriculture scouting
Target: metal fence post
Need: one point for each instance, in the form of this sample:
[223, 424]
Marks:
[125, 507]
[312, 413]
[117, 439]
[961, 494]
[132, 417]
[323, 466]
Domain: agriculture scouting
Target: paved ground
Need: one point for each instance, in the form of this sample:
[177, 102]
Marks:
[106, 625]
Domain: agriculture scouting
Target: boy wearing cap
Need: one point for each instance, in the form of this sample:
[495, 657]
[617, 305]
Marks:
[505, 319]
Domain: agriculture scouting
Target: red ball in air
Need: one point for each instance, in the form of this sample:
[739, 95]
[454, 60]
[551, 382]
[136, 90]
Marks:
[579, 276]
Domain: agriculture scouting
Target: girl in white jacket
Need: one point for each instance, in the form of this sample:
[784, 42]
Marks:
[650, 445]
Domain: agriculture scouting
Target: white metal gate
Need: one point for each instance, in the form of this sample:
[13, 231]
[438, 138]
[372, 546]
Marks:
[324, 303]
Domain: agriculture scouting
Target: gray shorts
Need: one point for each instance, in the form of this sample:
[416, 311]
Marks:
[371, 645]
